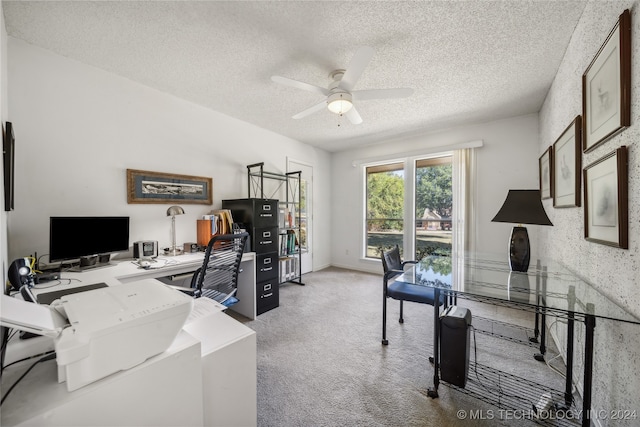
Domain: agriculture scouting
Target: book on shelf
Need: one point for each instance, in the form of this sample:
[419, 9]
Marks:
[218, 221]
[289, 267]
[286, 216]
[288, 242]
[224, 221]
[282, 217]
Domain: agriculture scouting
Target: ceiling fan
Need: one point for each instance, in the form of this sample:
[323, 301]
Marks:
[340, 95]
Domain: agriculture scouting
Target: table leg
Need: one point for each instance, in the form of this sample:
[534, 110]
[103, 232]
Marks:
[536, 330]
[590, 323]
[568, 385]
[542, 302]
[543, 338]
[433, 391]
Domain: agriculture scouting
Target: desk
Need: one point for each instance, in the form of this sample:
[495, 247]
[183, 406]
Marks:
[207, 377]
[172, 380]
[548, 288]
[126, 271]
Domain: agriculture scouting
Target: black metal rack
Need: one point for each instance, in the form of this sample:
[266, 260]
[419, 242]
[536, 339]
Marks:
[515, 397]
[291, 181]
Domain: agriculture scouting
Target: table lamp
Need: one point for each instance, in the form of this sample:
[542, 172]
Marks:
[172, 212]
[521, 207]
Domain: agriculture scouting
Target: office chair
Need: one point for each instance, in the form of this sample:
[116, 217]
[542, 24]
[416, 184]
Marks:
[218, 277]
[394, 266]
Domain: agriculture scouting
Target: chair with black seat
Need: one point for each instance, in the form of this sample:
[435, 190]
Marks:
[218, 277]
[394, 266]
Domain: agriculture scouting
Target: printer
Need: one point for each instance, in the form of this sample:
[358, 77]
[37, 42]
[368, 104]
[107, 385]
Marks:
[100, 332]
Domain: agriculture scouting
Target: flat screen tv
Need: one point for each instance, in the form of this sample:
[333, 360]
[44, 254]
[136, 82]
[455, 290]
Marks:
[91, 239]
[8, 149]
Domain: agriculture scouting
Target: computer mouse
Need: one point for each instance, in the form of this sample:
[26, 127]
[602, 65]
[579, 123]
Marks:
[144, 264]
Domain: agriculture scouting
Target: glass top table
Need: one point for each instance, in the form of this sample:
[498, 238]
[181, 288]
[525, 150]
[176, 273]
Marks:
[547, 288]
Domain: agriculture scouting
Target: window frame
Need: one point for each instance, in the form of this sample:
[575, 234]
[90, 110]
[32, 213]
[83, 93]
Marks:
[409, 216]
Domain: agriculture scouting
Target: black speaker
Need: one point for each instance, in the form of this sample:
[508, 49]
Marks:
[21, 277]
[454, 345]
[20, 273]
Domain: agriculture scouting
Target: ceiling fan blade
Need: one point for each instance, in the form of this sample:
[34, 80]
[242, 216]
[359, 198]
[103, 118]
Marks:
[363, 95]
[300, 85]
[353, 116]
[317, 107]
[357, 65]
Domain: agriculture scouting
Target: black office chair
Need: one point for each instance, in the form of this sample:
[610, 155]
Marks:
[394, 266]
[218, 277]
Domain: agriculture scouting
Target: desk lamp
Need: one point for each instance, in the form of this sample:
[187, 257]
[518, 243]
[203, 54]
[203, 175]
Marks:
[172, 212]
[521, 207]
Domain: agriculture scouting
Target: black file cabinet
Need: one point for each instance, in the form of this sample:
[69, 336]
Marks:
[260, 218]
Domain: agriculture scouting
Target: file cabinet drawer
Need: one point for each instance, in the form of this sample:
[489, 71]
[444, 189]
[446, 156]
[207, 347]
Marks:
[267, 296]
[264, 240]
[266, 266]
[266, 213]
[257, 212]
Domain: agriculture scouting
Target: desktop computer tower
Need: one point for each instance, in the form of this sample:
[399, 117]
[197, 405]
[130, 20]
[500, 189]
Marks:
[455, 325]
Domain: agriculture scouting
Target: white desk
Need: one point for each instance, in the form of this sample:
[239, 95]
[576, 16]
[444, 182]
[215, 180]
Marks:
[134, 397]
[126, 271]
[163, 390]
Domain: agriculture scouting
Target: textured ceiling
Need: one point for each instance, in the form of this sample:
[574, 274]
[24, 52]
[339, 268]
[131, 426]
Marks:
[468, 61]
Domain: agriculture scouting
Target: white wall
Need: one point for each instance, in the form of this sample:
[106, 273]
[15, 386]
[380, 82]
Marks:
[78, 128]
[3, 118]
[508, 160]
[611, 270]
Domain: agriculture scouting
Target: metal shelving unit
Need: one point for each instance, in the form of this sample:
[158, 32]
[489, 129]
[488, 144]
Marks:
[289, 231]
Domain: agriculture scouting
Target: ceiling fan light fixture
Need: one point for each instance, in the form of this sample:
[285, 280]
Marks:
[339, 103]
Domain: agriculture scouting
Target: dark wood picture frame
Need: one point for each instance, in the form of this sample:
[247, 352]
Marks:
[158, 187]
[8, 155]
[545, 171]
[606, 87]
[567, 166]
[606, 213]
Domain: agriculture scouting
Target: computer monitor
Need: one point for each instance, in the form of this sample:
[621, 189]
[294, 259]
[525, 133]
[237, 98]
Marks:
[91, 239]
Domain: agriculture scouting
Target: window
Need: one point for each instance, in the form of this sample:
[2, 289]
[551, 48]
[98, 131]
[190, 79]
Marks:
[385, 208]
[426, 201]
[434, 206]
[302, 208]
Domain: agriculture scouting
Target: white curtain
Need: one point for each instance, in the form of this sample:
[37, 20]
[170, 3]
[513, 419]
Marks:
[464, 207]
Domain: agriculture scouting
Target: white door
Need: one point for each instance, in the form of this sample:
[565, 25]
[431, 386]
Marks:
[305, 208]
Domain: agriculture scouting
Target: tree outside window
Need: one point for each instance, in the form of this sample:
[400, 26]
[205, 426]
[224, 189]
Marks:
[385, 208]
[385, 216]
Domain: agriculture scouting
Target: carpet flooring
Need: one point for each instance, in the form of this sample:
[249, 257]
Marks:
[321, 363]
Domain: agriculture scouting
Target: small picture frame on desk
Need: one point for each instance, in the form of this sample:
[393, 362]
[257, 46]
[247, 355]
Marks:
[158, 187]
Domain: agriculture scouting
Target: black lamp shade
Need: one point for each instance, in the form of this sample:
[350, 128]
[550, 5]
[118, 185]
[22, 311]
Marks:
[521, 207]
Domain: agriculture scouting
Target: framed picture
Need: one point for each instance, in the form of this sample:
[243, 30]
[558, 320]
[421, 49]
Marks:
[545, 164]
[157, 187]
[606, 87]
[605, 199]
[567, 166]
[8, 154]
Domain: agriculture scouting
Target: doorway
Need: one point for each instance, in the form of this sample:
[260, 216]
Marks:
[306, 212]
